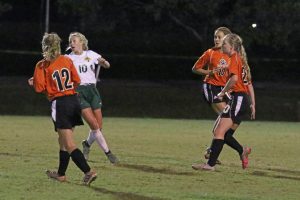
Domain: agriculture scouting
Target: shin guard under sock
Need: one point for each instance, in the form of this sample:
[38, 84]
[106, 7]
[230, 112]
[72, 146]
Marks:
[64, 158]
[80, 161]
[232, 142]
[216, 148]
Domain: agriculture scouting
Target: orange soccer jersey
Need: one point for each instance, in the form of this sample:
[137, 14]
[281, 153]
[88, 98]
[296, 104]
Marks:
[236, 68]
[214, 58]
[57, 78]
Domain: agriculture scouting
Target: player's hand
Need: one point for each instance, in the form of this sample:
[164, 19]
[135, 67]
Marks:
[212, 72]
[252, 107]
[101, 61]
[221, 95]
[30, 81]
[104, 63]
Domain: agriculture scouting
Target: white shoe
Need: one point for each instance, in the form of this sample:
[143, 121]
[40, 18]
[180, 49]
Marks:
[205, 167]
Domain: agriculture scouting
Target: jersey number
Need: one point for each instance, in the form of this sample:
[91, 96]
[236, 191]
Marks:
[82, 68]
[222, 71]
[245, 76]
[226, 109]
[62, 78]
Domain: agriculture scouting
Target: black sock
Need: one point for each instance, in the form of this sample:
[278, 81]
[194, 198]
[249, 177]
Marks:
[216, 148]
[232, 142]
[64, 158]
[211, 144]
[80, 161]
[106, 153]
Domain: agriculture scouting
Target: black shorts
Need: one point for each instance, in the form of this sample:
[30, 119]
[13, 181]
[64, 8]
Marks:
[237, 108]
[210, 93]
[66, 112]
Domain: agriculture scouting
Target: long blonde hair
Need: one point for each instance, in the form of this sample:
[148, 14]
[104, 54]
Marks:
[237, 43]
[82, 38]
[51, 46]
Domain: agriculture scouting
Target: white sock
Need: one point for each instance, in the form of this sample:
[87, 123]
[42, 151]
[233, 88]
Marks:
[91, 138]
[101, 140]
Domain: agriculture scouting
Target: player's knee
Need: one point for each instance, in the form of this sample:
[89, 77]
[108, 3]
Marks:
[94, 124]
[70, 147]
[218, 134]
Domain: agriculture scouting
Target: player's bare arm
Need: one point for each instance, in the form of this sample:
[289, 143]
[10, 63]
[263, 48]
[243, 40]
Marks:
[104, 63]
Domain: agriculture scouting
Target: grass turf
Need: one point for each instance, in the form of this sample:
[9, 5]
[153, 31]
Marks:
[156, 157]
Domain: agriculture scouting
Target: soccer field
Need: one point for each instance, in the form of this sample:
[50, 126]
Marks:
[155, 161]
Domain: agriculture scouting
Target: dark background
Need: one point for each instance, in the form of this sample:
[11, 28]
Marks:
[158, 42]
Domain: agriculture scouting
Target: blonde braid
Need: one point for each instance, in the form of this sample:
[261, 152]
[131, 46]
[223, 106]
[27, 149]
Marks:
[243, 55]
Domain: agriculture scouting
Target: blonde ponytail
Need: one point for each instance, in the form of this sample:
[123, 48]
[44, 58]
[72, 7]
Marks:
[51, 46]
[243, 55]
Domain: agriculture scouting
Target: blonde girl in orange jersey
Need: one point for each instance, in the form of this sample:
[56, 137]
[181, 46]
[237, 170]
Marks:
[57, 77]
[216, 73]
[216, 76]
[236, 108]
[213, 65]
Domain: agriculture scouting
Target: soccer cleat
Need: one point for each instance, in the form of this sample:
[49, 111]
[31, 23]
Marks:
[205, 167]
[89, 177]
[112, 158]
[207, 154]
[244, 157]
[54, 175]
[85, 149]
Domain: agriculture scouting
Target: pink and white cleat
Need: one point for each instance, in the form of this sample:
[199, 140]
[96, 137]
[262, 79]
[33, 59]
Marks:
[244, 157]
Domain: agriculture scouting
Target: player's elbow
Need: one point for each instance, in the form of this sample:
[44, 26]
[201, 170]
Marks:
[39, 88]
[195, 70]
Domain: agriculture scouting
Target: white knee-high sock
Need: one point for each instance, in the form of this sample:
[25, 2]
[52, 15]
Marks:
[101, 140]
[91, 138]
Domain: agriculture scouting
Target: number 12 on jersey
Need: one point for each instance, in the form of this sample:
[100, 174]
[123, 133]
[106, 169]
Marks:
[62, 79]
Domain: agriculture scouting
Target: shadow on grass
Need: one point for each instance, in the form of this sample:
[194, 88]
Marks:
[11, 154]
[286, 171]
[150, 169]
[293, 172]
[265, 174]
[26, 155]
[124, 195]
[119, 195]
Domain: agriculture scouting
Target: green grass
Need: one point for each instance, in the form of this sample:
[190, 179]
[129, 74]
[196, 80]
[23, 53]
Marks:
[156, 157]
